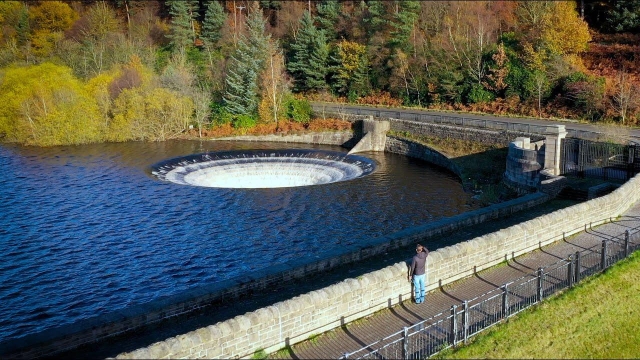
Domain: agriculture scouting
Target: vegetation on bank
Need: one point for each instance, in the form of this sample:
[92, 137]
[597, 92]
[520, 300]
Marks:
[596, 319]
[78, 72]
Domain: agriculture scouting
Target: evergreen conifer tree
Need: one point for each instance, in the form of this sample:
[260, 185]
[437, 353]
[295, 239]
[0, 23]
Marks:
[22, 27]
[402, 24]
[328, 15]
[623, 16]
[214, 18]
[246, 64]
[310, 53]
[374, 18]
[181, 28]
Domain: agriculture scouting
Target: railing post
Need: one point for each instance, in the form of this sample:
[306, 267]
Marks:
[603, 255]
[454, 325]
[540, 283]
[578, 263]
[505, 300]
[626, 243]
[465, 320]
[405, 343]
[570, 271]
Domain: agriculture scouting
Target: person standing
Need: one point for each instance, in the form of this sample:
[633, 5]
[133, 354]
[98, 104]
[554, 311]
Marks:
[417, 271]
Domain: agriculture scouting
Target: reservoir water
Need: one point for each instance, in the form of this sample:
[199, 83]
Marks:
[86, 230]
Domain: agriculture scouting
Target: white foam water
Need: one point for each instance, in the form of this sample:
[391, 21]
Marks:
[255, 169]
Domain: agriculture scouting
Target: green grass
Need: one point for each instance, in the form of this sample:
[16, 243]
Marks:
[599, 318]
[260, 354]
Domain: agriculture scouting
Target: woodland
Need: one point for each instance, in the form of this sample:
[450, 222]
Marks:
[75, 72]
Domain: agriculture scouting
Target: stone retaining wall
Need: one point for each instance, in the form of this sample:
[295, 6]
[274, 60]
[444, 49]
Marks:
[523, 167]
[341, 138]
[297, 319]
[490, 137]
[416, 150]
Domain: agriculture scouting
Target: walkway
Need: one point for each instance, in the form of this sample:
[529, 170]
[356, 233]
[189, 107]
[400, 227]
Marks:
[574, 127]
[360, 333]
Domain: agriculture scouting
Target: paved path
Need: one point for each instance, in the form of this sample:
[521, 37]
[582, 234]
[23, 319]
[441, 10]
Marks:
[409, 114]
[335, 343]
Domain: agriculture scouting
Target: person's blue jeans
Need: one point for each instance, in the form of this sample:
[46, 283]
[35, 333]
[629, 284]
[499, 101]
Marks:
[418, 287]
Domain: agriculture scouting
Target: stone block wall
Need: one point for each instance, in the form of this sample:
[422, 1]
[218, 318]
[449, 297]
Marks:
[297, 319]
[415, 150]
[523, 169]
[491, 137]
[341, 138]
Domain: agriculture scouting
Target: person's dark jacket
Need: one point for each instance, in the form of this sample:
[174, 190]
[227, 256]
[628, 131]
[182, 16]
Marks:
[418, 263]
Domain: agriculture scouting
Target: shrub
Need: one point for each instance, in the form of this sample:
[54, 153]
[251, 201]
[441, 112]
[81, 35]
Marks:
[243, 121]
[219, 114]
[298, 110]
[478, 95]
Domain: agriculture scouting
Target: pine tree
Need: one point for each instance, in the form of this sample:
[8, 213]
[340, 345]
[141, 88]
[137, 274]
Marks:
[22, 27]
[402, 24]
[374, 19]
[213, 20]
[247, 62]
[328, 14]
[181, 28]
[623, 16]
[310, 53]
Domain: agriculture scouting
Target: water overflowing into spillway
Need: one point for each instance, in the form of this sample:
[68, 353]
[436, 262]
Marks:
[263, 168]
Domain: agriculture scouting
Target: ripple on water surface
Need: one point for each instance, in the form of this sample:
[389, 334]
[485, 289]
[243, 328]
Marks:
[86, 230]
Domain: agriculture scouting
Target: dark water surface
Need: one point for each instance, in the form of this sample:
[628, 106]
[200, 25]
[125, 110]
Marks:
[86, 230]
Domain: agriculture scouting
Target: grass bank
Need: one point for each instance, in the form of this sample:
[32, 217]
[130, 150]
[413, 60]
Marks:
[600, 318]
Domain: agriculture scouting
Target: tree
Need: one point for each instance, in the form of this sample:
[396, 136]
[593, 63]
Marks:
[541, 84]
[214, 18]
[625, 95]
[402, 24]
[274, 86]
[470, 33]
[245, 65]
[182, 33]
[48, 20]
[202, 107]
[309, 61]
[41, 105]
[496, 80]
[154, 114]
[328, 17]
[350, 69]
[623, 16]
[96, 36]
[565, 33]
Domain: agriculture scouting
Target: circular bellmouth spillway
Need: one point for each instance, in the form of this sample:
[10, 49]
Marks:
[259, 169]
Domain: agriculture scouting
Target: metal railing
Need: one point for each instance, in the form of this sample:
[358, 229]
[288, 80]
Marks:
[447, 329]
[465, 121]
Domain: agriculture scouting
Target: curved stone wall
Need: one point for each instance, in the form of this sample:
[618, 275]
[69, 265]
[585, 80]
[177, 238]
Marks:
[523, 168]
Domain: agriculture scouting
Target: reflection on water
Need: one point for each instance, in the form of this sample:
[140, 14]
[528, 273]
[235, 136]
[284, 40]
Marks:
[86, 230]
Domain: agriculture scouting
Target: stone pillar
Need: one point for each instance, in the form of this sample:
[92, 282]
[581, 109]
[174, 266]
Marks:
[375, 135]
[554, 135]
[378, 131]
